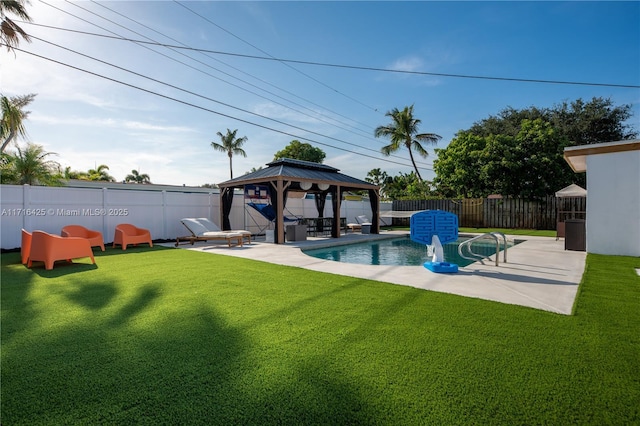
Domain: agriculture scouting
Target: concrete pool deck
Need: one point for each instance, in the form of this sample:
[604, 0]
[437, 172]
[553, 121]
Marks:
[539, 273]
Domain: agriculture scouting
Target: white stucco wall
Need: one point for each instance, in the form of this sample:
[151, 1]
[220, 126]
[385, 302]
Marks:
[613, 203]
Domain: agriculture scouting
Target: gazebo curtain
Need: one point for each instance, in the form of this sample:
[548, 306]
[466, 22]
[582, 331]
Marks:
[374, 200]
[321, 199]
[227, 200]
[273, 195]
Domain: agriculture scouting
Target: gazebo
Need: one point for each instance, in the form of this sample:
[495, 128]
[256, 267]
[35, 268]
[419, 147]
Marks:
[289, 175]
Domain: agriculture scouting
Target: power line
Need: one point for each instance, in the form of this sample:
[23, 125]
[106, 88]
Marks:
[117, 36]
[276, 59]
[204, 97]
[143, 43]
[317, 113]
[202, 108]
[356, 67]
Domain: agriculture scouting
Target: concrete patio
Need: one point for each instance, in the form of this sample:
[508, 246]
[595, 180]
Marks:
[539, 273]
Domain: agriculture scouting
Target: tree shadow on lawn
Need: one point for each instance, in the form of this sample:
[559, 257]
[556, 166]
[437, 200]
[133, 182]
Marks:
[186, 366]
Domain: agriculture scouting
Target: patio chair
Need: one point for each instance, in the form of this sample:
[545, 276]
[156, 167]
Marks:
[48, 248]
[357, 226]
[25, 247]
[129, 234]
[212, 227]
[94, 237]
[201, 230]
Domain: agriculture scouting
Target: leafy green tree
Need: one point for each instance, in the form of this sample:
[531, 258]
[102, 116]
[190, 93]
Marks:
[231, 145]
[529, 164]
[403, 132]
[13, 116]
[301, 151]
[380, 178]
[596, 121]
[137, 177]
[520, 152]
[407, 186]
[458, 167]
[582, 123]
[30, 165]
[10, 32]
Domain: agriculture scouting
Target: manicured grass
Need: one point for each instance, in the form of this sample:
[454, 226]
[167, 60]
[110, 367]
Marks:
[166, 336]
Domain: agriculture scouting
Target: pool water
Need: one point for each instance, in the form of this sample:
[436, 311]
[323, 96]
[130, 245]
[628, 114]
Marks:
[397, 252]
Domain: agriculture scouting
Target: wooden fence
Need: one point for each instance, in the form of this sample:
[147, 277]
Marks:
[513, 213]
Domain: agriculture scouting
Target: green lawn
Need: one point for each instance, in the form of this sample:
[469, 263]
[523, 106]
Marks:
[166, 336]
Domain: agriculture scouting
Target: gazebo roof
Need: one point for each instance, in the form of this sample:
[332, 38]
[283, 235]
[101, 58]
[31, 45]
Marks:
[299, 171]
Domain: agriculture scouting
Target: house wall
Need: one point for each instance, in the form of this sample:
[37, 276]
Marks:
[613, 203]
[50, 208]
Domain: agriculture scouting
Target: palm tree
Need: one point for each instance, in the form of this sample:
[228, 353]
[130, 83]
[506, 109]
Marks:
[100, 174]
[136, 177]
[73, 174]
[31, 166]
[10, 32]
[13, 116]
[403, 131]
[231, 145]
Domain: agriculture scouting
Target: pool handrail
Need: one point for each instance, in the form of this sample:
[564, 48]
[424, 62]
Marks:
[480, 257]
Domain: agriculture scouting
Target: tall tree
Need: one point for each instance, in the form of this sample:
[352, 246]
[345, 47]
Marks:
[301, 151]
[13, 116]
[31, 165]
[230, 145]
[137, 177]
[403, 132]
[10, 32]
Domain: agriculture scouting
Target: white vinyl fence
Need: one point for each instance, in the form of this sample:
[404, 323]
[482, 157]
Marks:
[159, 210]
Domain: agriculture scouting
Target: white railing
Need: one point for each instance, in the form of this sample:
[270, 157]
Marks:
[471, 255]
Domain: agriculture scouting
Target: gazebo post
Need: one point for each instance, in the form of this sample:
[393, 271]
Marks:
[335, 229]
[279, 239]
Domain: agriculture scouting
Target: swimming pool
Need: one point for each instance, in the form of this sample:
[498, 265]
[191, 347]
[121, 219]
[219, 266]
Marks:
[399, 251]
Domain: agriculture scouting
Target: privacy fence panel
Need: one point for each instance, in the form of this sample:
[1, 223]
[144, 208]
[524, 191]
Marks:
[51, 208]
[513, 213]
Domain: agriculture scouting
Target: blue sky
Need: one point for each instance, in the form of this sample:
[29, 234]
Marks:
[88, 120]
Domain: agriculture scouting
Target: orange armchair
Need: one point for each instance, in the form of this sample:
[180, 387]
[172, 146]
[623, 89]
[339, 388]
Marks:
[25, 247]
[94, 237]
[129, 234]
[48, 248]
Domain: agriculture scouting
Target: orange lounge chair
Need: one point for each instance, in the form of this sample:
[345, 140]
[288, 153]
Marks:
[25, 247]
[48, 248]
[129, 234]
[94, 237]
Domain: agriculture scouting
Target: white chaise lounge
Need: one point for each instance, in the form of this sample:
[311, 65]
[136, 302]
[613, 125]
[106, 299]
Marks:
[202, 229]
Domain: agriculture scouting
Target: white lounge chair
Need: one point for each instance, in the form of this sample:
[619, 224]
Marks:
[357, 226]
[203, 229]
[212, 227]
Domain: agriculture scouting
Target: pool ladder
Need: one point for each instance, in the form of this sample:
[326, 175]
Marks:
[480, 257]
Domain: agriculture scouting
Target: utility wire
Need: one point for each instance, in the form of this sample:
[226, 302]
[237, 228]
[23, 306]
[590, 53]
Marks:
[187, 91]
[210, 56]
[202, 108]
[356, 67]
[143, 44]
[205, 97]
[276, 59]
